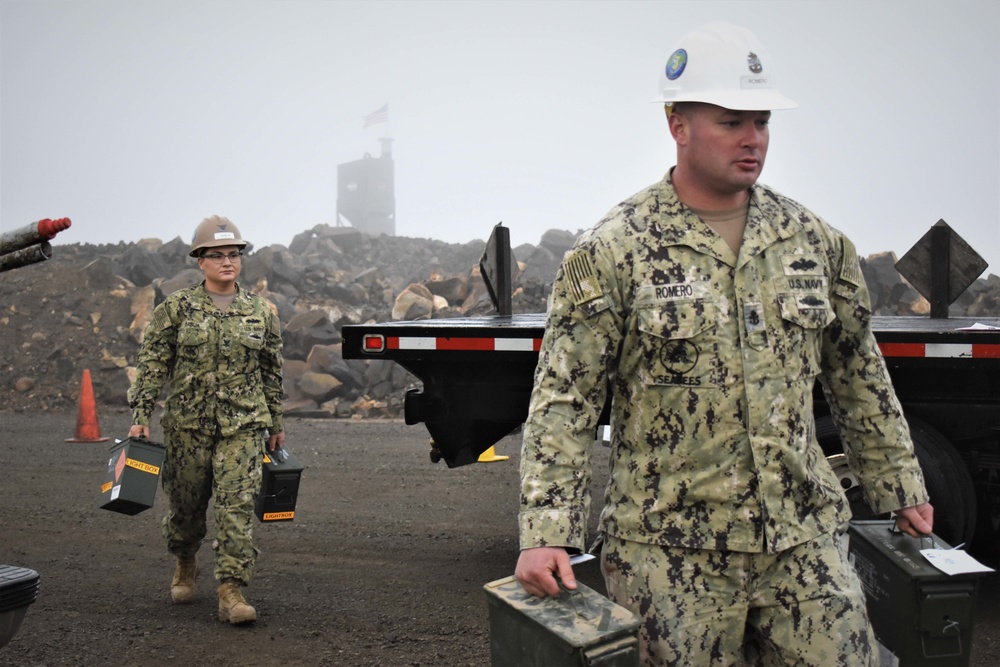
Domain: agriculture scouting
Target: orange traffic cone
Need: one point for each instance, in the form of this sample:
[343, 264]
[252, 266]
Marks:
[87, 428]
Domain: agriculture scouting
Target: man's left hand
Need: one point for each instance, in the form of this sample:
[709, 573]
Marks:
[916, 521]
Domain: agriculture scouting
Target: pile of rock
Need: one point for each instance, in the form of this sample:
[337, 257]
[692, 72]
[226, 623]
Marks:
[87, 309]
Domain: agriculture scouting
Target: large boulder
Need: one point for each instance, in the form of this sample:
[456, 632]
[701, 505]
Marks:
[329, 359]
[558, 241]
[182, 280]
[347, 238]
[307, 329]
[318, 386]
[275, 263]
[453, 289]
[143, 302]
[414, 303]
[143, 266]
[291, 372]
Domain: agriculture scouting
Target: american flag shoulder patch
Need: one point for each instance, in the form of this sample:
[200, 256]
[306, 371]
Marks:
[160, 320]
[850, 267]
[581, 278]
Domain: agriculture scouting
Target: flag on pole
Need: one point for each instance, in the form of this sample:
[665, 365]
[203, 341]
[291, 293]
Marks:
[375, 117]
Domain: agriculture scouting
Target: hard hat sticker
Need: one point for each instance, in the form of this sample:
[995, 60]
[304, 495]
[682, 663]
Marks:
[676, 64]
[753, 62]
[224, 235]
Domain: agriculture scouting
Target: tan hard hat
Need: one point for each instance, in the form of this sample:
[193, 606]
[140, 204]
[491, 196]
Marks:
[214, 232]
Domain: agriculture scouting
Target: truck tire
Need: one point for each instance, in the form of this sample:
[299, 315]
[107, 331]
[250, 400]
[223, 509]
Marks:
[948, 481]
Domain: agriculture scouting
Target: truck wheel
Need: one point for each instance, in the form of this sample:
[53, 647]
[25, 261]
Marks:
[948, 481]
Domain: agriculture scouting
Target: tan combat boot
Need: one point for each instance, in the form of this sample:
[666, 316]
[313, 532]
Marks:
[232, 607]
[182, 585]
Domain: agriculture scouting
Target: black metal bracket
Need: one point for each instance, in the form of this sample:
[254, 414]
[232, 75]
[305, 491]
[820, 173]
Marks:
[496, 267]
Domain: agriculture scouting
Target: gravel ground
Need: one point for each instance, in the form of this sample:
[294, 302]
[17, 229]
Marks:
[384, 563]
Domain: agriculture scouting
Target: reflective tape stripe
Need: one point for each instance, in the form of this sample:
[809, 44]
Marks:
[922, 350]
[941, 350]
[518, 344]
[982, 351]
[902, 349]
[415, 343]
[948, 350]
[463, 344]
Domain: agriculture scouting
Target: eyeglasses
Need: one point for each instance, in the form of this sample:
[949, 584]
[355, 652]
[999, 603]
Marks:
[217, 258]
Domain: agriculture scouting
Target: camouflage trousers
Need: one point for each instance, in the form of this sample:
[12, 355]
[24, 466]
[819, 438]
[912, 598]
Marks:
[197, 467]
[803, 606]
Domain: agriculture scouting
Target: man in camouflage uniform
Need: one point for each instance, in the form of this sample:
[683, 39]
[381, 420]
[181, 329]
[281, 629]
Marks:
[708, 304]
[218, 348]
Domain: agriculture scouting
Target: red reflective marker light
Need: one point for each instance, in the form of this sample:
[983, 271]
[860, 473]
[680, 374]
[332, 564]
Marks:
[373, 343]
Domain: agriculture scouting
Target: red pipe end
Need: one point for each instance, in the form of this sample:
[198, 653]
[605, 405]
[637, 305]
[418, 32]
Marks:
[47, 228]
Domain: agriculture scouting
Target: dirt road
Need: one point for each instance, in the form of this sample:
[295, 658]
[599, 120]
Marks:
[383, 565]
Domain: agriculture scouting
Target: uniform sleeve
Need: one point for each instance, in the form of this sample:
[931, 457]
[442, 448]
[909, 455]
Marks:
[154, 364]
[860, 394]
[578, 349]
[270, 369]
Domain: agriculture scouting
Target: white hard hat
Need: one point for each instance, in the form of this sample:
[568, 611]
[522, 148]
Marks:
[722, 64]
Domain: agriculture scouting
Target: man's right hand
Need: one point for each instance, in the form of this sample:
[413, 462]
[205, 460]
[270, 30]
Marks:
[139, 431]
[536, 569]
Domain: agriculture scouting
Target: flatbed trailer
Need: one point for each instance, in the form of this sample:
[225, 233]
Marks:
[477, 375]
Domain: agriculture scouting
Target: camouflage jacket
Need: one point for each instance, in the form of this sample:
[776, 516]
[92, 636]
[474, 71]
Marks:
[710, 360]
[224, 369]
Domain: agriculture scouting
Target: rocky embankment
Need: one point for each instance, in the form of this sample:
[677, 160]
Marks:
[87, 308]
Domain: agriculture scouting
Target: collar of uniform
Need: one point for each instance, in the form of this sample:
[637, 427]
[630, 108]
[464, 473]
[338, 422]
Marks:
[686, 227]
[241, 305]
[768, 222]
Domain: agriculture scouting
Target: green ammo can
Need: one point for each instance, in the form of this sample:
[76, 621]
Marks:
[921, 615]
[579, 628]
[279, 488]
[132, 475]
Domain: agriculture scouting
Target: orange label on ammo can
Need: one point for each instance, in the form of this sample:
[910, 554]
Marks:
[144, 467]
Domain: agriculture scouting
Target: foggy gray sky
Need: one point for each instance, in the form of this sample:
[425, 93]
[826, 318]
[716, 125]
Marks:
[138, 119]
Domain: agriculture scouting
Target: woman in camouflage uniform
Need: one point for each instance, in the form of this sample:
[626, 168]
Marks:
[217, 347]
